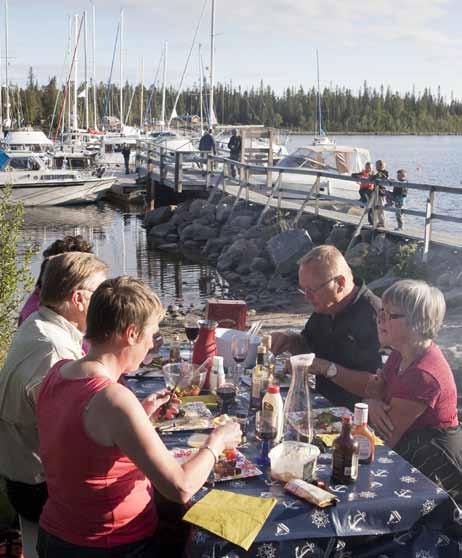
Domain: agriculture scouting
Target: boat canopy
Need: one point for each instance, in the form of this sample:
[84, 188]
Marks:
[26, 137]
[329, 158]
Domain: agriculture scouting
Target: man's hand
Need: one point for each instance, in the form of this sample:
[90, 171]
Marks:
[287, 341]
[378, 415]
[319, 366]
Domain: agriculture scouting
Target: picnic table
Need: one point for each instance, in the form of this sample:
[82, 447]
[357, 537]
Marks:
[392, 511]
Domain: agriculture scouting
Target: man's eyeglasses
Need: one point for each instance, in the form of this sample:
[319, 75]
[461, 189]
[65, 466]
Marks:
[311, 292]
[384, 315]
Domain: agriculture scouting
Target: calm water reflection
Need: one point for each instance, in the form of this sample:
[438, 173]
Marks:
[119, 239]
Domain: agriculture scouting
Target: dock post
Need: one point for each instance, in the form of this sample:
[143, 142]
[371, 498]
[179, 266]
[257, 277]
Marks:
[178, 172]
[225, 175]
[162, 164]
[151, 183]
[428, 224]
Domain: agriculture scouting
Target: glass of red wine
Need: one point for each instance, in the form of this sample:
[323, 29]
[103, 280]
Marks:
[227, 394]
[265, 431]
[239, 349]
[191, 328]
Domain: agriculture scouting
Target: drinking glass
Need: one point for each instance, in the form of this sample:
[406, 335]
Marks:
[226, 392]
[191, 328]
[239, 349]
[265, 431]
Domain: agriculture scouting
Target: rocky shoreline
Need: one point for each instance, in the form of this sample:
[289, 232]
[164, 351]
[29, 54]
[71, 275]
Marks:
[256, 258]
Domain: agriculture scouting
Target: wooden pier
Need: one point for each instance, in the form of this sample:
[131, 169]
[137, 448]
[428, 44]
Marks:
[263, 184]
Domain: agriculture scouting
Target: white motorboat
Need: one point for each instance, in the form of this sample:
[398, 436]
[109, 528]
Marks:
[27, 140]
[33, 183]
[328, 157]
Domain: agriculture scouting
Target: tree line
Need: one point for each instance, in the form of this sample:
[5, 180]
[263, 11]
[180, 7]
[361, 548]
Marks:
[370, 110]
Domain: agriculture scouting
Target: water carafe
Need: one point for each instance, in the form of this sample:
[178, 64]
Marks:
[297, 406]
[205, 345]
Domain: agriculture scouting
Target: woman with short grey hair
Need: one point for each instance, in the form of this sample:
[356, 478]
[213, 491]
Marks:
[413, 400]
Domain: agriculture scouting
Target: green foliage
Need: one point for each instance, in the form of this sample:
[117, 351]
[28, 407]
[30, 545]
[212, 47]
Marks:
[15, 276]
[408, 262]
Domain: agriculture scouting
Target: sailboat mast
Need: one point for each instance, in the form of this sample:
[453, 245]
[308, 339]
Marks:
[76, 35]
[94, 65]
[201, 79]
[69, 39]
[319, 96]
[164, 84]
[121, 45]
[85, 39]
[142, 93]
[212, 52]
[7, 95]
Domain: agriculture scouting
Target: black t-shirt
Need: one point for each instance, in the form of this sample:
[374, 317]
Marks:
[349, 339]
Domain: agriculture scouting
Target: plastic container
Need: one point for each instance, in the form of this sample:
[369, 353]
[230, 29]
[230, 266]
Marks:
[294, 460]
[217, 374]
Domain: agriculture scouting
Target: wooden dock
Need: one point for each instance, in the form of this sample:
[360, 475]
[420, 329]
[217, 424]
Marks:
[181, 172]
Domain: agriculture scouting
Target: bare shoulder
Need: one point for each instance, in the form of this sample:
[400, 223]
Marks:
[117, 397]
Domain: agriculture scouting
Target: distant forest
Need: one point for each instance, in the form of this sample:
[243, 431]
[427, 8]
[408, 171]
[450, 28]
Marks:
[369, 110]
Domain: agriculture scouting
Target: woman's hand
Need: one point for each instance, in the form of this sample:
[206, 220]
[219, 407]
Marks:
[227, 436]
[152, 403]
[378, 415]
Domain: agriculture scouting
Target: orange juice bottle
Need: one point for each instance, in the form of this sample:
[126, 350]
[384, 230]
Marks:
[362, 434]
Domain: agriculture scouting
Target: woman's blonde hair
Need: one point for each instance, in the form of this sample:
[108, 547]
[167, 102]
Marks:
[118, 303]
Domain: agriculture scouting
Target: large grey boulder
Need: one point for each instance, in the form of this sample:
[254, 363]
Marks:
[157, 216]
[241, 250]
[196, 207]
[264, 265]
[357, 255]
[287, 248]
[197, 232]
[161, 231]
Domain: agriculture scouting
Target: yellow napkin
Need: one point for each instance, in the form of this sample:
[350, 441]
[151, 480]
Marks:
[329, 438]
[234, 517]
[210, 400]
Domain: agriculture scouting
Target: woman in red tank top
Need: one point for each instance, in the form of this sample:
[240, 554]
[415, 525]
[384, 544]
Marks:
[101, 455]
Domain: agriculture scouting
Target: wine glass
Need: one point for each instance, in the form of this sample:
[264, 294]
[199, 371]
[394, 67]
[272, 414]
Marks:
[239, 349]
[191, 328]
[265, 431]
[226, 391]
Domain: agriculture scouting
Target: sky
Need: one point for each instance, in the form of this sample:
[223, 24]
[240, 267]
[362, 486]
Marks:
[400, 43]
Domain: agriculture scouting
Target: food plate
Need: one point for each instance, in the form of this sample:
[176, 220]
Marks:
[329, 419]
[196, 417]
[246, 467]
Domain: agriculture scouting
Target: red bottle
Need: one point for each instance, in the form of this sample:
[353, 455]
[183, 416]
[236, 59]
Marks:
[205, 345]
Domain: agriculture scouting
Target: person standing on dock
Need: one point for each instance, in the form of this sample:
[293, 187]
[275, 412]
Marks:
[126, 154]
[366, 189]
[235, 147]
[398, 197]
[381, 174]
[207, 146]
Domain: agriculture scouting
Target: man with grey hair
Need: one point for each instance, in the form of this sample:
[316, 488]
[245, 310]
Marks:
[51, 334]
[342, 327]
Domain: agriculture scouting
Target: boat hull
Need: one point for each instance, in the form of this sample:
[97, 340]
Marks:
[60, 192]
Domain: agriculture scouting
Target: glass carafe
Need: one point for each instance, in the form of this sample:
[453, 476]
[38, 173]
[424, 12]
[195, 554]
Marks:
[297, 407]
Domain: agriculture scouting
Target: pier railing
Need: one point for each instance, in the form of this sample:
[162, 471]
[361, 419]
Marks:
[270, 186]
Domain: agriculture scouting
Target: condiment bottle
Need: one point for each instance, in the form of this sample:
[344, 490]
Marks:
[273, 409]
[270, 360]
[259, 379]
[345, 454]
[217, 374]
[362, 434]
[175, 348]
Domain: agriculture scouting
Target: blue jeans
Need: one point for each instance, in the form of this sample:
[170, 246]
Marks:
[49, 546]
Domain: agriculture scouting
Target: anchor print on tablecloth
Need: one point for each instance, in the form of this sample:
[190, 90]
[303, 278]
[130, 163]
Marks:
[376, 484]
[355, 520]
[305, 550]
[408, 479]
[428, 506]
[339, 488]
[380, 473]
[367, 494]
[291, 505]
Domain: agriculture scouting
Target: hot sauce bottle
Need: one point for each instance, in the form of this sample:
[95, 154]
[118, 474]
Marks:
[363, 435]
[345, 453]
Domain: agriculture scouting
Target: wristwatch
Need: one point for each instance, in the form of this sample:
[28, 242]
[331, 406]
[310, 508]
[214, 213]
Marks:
[331, 371]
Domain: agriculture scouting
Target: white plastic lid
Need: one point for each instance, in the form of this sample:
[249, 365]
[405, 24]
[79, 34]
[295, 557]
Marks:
[361, 413]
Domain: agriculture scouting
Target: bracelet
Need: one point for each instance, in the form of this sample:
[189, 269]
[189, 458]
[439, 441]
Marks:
[212, 451]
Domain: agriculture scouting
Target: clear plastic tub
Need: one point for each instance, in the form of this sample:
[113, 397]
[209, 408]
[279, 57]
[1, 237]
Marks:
[293, 460]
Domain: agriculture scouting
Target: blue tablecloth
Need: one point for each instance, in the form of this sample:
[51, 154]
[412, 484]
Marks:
[391, 511]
